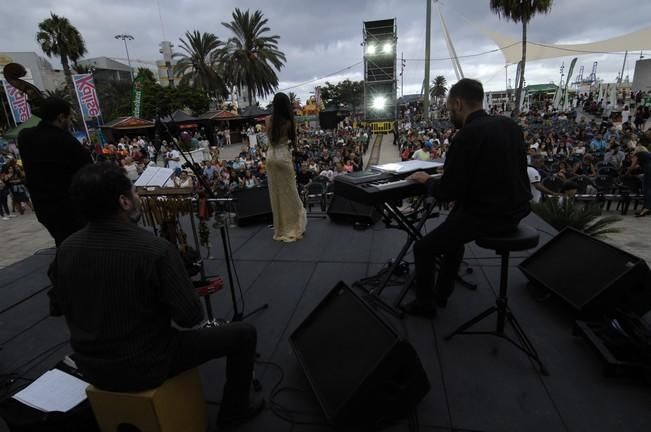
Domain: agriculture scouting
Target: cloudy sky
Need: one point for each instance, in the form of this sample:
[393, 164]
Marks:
[322, 37]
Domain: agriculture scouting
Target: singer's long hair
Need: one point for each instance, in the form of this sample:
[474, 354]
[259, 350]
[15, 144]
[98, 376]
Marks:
[282, 120]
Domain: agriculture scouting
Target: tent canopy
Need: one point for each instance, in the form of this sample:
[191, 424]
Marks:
[512, 48]
[218, 115]
[31, 122]
[178, 116]
[124, 123]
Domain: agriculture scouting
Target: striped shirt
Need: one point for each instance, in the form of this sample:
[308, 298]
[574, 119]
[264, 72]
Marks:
[119, 287]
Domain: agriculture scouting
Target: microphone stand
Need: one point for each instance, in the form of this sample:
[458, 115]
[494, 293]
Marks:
[238, 315]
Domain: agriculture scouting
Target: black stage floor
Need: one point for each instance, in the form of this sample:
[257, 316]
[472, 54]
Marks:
[479, 383]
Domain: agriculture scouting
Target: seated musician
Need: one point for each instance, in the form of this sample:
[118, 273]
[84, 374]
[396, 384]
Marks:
[485, 180]
[120, 288]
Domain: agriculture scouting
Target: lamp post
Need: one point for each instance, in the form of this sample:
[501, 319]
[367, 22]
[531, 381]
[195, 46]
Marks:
[125, 38]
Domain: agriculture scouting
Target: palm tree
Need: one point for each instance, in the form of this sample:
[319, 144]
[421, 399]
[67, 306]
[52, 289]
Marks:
[251, 55]
[57, 36]
[147, 74]
[200, 67]
[439, 89]
[520, 11]
[293, 99]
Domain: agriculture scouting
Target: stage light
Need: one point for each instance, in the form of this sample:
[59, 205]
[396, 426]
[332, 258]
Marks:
[370, 49]
[379, 102]
[387, 48]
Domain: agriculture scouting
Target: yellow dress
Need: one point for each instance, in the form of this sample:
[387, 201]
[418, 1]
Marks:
[289, 216]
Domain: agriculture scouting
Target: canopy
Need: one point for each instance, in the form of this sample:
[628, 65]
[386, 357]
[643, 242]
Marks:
[512, 48]
[541, 88]
[125, 123]
[178, 116]
[219, 115]
[31, 122]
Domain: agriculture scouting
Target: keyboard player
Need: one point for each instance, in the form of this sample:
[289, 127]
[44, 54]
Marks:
[485, 177]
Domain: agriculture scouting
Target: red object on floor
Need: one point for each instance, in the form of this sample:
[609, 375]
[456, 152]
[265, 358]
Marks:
[211, 286]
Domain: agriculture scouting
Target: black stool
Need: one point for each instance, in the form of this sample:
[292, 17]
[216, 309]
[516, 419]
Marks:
[523, 238]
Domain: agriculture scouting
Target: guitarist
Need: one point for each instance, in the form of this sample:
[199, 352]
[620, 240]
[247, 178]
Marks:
[51, 157]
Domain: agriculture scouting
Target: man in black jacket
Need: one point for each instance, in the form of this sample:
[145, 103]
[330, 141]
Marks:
[51, 156]
[485, 179]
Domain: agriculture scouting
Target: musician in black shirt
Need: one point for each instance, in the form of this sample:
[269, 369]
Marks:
[485, 180]
[51, 156]
[119, 289]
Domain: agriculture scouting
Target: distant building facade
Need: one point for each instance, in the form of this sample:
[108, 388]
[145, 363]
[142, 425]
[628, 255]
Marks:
[106, 69]
[165, 67]
[39, 70]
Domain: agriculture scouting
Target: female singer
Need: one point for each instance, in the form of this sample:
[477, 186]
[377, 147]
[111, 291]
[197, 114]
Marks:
[289, 217]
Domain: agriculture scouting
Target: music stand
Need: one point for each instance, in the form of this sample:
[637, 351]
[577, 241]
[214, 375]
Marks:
[237, 314]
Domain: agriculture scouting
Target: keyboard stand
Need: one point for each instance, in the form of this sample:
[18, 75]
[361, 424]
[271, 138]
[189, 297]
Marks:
[414, 233]
[392, 212]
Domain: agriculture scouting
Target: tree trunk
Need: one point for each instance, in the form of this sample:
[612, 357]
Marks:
[518, 92]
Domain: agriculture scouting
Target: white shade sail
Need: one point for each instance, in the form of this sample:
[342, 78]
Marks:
[512, 48]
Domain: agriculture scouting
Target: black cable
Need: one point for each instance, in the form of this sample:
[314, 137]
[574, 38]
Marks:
[234, 269]
[323, 77]
[282, 412]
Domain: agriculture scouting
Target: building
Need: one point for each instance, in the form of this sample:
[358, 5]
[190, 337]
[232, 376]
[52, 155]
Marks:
[165, 67]
[642, 75]
[106, 69]
[240, 97]
[39, 70]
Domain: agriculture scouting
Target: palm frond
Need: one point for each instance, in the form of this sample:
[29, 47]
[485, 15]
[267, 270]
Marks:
[565, 212]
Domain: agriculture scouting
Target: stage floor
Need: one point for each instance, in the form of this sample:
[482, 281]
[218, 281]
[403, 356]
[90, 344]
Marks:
[478, 383]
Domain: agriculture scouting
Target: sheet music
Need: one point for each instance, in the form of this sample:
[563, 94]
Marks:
[407, 166]
[55, 390]
[146, 176]
[154, 176]
[161, 177]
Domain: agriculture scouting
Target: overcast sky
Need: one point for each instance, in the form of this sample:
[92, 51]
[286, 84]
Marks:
[321, 37]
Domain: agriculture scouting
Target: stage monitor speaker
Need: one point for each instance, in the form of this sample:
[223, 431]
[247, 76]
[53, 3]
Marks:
[594, 277]
[252, 205]
[362, 372]
[342, 210]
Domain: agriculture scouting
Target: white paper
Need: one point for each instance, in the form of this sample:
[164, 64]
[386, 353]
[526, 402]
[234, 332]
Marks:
[407, 166]
[160, 177]
[146, 176]
[55, 390]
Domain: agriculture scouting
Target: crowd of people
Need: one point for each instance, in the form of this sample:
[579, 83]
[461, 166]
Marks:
[567, 150]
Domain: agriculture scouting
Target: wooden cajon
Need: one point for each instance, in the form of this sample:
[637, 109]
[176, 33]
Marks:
[177, 405]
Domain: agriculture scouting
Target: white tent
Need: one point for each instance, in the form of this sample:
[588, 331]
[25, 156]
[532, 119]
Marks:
[512, 48]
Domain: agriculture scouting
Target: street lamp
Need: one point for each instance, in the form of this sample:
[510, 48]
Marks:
[125, 38]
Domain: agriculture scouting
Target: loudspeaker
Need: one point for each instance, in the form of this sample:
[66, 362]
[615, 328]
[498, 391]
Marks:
[361, 371]
[252, 205]
[342, 210]
[594, 277]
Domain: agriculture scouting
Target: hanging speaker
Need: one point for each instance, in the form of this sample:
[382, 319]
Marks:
[362, 372]
[592, 276]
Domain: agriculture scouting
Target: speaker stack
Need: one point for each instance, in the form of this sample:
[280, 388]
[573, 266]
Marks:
[252, 205]
[345, 211]
[362, 372]
[590, 275]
